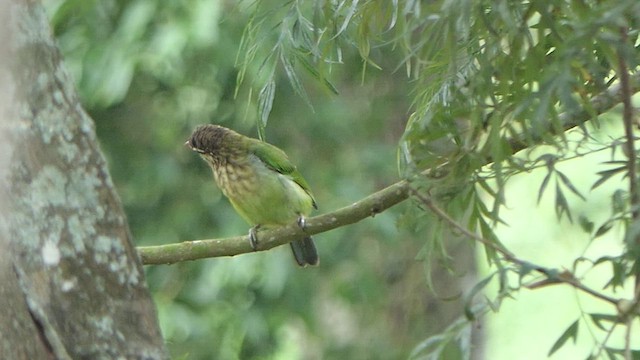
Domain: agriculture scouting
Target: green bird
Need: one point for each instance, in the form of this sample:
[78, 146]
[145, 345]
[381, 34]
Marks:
[259, 180]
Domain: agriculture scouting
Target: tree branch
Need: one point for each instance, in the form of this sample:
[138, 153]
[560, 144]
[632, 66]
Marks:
[600, 104]
[369, 206]
[629, 145]
[270, 238]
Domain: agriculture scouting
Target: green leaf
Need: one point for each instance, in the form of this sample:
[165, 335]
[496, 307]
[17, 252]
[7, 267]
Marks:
[603, 229]
[470, 315]
[543, 186]
[437, 347]
[428, 252]
[586, 224]
[315, 73]
[294, 80]
[598, 319]
[619, 275]
[394, 15]
[616, 354]
[561, 204]
[565, 180]
[570, 333]
[347, 19]
[265, 101]
[606, 175]
[618, 202]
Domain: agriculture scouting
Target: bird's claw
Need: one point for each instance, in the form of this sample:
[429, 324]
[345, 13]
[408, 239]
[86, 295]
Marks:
[253, 237]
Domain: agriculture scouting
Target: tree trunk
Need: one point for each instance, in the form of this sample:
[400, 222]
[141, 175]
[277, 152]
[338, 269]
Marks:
[71, 286]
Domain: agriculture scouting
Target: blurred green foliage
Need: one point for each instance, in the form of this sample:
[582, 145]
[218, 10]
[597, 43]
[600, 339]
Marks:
[352, 91]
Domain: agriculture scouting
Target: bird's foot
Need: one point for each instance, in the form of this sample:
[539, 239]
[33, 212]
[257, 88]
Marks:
[302, 222]
[253, 237]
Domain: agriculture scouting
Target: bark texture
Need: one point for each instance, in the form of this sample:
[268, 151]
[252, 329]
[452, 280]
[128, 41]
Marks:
[71, 286]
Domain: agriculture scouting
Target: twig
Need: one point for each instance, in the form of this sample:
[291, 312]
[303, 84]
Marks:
[627, 339]
[428, 202]
[552, 275]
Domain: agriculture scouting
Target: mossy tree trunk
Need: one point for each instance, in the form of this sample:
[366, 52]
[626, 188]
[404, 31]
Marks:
[71, 285]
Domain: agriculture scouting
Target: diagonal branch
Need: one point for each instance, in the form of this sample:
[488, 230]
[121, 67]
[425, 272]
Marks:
[369, 206]
[552, 276]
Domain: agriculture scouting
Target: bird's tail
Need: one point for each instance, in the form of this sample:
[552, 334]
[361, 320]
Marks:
[305, 252]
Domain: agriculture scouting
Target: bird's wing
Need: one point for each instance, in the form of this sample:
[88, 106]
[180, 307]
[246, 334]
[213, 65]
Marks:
[277, 160]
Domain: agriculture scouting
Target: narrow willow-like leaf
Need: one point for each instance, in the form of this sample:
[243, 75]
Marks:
[265, 101]
[295, 82]
[350, 13]
[478, 287]
[543, 185]
[315, 73]
[607, 174]
[616, 354]
[246, 50]
[603, 229]
[561, 203]
[565, 180]
[598, 319]
[457, 333]
[394, 14]
[619, 272]
[570, 333]
[428, 252]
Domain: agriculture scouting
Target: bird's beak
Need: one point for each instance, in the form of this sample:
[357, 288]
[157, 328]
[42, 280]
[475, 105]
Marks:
[187, 144]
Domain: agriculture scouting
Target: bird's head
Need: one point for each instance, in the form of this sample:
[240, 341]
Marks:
[215, 143]
[209, 139]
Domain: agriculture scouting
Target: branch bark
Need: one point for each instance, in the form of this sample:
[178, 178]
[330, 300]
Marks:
[270, 238]
[630, 148]
[369, 206]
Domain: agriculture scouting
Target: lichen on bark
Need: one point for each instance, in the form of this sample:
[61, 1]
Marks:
[71, 270]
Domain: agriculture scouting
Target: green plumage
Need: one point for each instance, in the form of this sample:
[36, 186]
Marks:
[259, 180]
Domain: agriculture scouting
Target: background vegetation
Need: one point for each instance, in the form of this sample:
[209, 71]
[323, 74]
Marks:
[360, 94]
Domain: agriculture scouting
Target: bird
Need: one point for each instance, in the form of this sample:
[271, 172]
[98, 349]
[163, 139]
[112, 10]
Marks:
[260, 182]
